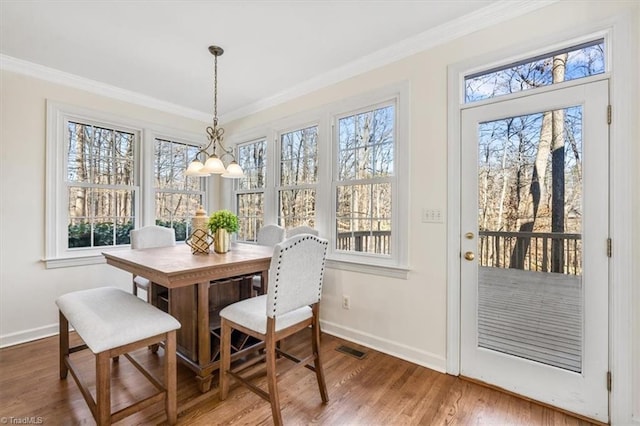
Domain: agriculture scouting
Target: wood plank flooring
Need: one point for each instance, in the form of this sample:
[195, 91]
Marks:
[533, 315]
[378, 390]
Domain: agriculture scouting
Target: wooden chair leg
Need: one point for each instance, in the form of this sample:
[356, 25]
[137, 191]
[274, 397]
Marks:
[315, 343]
[103, 389]
[272, 380]
[64, 345]
[225, 358]
[170, 377]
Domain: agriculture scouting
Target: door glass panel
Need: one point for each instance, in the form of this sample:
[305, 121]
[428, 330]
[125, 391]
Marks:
[530, 298]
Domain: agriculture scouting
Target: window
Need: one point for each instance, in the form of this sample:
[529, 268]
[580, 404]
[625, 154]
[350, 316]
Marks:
[176, 196]
[338, 175]
[250, 193]
[571, 63]
[365, 171]
[107, 175]
[298, 177]
[101, 184]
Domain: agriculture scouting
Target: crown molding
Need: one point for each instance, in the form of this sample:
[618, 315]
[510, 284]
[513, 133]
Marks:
[493, 14]
[19, 66]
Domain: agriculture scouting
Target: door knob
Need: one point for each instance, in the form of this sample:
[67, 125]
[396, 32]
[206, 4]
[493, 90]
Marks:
[469, 255]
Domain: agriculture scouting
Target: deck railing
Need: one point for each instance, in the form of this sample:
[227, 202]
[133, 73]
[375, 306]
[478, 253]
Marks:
[533, 251]
[365, 241]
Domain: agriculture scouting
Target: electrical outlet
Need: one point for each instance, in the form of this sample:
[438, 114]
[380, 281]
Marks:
[346, 302]
[432, 215]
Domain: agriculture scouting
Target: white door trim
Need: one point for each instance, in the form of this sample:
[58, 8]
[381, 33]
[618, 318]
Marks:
[621, 33]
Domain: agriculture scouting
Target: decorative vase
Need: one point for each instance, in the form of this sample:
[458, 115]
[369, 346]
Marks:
[199, 240]
[221, 241]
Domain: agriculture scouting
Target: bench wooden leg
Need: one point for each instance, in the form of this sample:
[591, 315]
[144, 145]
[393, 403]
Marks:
[170, 374]
[103, 388]
[64, 345]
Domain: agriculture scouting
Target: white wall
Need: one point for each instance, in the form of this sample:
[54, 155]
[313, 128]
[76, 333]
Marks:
[405, 317]
[408, 317]
[27, 289]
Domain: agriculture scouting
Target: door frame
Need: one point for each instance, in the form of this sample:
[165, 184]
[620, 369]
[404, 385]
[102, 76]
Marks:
[618, 33]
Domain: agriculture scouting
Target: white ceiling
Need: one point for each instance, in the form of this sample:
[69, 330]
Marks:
[159, 48]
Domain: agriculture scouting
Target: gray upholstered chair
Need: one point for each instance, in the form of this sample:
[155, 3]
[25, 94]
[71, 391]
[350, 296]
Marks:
[292, 304]
[150, 237]
[302, 229]
[268, 235]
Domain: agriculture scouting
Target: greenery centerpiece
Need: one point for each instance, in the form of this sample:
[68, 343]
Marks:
[222, 224]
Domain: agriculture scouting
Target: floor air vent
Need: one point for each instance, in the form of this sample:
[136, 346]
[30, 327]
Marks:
[351, 351]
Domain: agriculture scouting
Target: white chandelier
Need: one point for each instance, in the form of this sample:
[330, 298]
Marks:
[214, 164]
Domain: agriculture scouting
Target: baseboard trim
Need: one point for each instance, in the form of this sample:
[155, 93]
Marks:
[25, 336]
[389, 347]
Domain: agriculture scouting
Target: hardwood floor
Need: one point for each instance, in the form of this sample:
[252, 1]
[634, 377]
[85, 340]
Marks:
[377, 390]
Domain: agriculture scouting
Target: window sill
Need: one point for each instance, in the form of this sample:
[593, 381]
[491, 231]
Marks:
[67, 262]
[384, 271]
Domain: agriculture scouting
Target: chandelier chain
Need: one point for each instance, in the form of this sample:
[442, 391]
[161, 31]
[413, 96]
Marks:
[215, 90]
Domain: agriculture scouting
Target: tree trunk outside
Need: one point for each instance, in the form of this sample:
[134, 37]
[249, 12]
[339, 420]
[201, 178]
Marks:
[551, 142]
[557, 174]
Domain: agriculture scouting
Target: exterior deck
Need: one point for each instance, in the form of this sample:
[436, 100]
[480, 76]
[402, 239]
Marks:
[533, 315]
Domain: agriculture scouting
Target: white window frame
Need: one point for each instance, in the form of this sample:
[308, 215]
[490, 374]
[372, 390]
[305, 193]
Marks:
[278, 186]
[57, 253]
[395, 265]
[354, 256]
[148, 160]
[266, 190]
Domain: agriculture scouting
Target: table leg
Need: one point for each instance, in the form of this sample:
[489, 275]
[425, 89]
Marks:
[204, 336]
[152, 298]
[264, 282]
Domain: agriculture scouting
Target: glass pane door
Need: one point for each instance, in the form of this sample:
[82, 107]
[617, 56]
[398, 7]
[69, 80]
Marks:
[529, 241]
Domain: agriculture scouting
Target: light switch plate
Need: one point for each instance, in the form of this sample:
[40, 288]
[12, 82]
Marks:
[431, 215]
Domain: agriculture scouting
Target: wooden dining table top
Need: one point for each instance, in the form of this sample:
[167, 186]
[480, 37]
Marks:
[176, 266]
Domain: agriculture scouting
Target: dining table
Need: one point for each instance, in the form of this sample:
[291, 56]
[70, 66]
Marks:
[194, 288]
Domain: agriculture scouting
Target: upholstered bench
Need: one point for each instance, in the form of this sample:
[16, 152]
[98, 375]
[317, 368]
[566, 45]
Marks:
[112, 322]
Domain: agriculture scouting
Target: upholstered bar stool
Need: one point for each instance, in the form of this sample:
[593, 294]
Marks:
[302, 229]
[268, 235]
[112, 322]
[150, 237]
[291, 305]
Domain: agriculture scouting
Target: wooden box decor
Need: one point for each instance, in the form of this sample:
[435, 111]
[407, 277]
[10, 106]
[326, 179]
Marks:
[200, 242]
